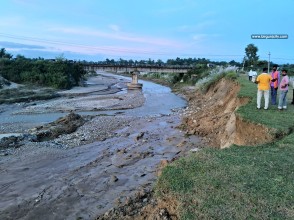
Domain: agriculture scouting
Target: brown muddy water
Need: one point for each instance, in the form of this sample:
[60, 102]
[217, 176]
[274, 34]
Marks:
[41, 182]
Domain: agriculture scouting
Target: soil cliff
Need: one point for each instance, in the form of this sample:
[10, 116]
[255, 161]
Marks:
[213, 116]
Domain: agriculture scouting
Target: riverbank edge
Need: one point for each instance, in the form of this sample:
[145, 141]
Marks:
[166, 202]
[173, 183]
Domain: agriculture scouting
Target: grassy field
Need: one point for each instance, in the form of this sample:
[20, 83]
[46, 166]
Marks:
[240, 182]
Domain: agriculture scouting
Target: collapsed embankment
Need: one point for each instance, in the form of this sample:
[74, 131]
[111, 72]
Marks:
[213, 116]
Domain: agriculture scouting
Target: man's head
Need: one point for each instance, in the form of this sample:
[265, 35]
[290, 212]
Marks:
[284, 72]
[275, 67]
[264, 70]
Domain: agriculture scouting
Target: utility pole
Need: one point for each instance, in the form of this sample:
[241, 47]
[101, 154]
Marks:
[243, 63]
[269, 60]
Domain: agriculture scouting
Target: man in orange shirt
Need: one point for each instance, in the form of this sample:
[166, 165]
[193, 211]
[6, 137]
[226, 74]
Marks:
[263, 81]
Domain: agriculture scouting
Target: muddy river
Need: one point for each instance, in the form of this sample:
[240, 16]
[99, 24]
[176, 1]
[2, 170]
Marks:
[42, 182]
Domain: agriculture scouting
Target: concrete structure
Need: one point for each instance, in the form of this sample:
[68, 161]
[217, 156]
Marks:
[129, 69]
[134, 84]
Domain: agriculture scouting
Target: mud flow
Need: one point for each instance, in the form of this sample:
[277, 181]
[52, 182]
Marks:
[115, 152]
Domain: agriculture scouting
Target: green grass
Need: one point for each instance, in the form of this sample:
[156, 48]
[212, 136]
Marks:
[282, 121]
[240, 182]
[231, 75]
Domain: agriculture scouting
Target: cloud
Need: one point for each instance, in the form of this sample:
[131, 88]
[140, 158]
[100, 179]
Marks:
[207, 37]
[13, 45]
[37, 45]
[205, 24]
[200, 26]
[121, 36]
[199, 37]
[11, 21]
[114, 27]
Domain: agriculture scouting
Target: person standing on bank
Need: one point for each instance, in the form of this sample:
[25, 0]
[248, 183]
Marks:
[284, 90]
[263, 81]
[250, 74]
[293, 93]
[275, 85]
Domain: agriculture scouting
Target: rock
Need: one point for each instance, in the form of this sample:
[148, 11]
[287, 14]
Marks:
[182, 144]
[139, 136]
[194, 149]
[4, 154]
[113, 179]
[11, 141]
[64, 125]
[163, 213]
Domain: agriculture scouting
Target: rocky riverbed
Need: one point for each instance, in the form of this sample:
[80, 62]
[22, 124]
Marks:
[65, 158]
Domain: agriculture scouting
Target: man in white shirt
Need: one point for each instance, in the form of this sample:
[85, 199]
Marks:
[250, 74]
[293, 91]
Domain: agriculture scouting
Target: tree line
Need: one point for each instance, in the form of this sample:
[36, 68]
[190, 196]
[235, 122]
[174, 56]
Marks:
[60, 73]
[63, 74]
[170, 62]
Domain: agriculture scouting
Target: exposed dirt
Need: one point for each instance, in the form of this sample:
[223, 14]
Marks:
[212, 116]
[113, 177]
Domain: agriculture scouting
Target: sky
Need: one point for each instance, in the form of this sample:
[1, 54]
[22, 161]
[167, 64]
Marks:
[94, 30]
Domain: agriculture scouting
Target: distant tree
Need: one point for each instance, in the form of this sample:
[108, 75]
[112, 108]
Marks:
[150, 62]
[131, 62]
[4, 54]
[261, 64]
[234, 63]
[251, 55]
[142, 62]
[159, 62]
[60, 57]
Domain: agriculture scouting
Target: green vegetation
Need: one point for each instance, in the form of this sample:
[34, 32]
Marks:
[213, 78]
[251, 55]
[24, 94]
[59, 73]
[178, 62]
[240, 182]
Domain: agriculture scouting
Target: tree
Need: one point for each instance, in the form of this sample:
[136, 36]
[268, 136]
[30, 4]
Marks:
[4, 54]
[234, 63]
[159, 62]
[251, 54]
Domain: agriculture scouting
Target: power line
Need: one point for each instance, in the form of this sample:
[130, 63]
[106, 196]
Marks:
[125, 50]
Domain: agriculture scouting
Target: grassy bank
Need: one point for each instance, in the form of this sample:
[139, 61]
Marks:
[241, 182]
[282, 121]
[26, 94]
